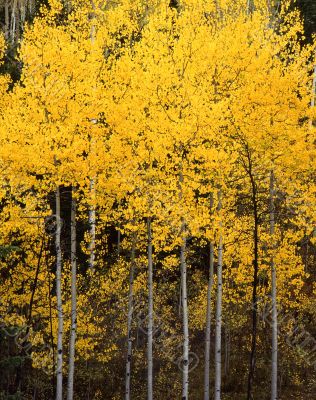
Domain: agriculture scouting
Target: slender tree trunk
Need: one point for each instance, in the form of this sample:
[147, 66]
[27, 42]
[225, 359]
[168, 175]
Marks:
[129, 322]
[6, 20]
[250, 7]
[59, 370]
[18, 23]
[31, 7]
[274, 364]
[208, 326]
[150, 312]
[252, 361]
[73, 329]
[184, 300]
[92, 218]
[13, 20]
[185, 356]
[22, 14]
[218, 326]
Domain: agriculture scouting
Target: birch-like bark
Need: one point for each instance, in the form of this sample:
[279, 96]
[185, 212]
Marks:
[208, 319]
[129, 323]
[218, 325]
[150, 313]
[59, 367]
[274, 361]
[92, 215]
[184, 300]
[249, 6]
[208, 326]
[180, 298]
[73, 327]
[185, 357]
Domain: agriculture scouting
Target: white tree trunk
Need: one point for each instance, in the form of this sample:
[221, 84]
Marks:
[59, 367]
[150, 313]
[185, 356]
[129, 323]
[92, 219]
[274, 366]
[184, 301]
[73, 327]
[208, 326]
[218, 326]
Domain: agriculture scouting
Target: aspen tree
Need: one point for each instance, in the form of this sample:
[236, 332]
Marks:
[208, 326]
[274, 362]
[59, 357]
[208, 319]
[73, 326]
[218, 325]
[215, 90]
[150, 311]
[92, 214]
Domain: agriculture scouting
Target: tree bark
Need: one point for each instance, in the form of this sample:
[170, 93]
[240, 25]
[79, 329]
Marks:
[129, 323]
[250, 7]
[92, 218]
[150, 312]
[13, 20]
[73, 329]
[6, 20]
[252, 361]
[185, 356]
[208, 326]
[218, 326]
[274, 363]
[59, 368]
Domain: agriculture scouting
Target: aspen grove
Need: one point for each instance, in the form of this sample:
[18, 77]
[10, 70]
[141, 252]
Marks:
[158, 200]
